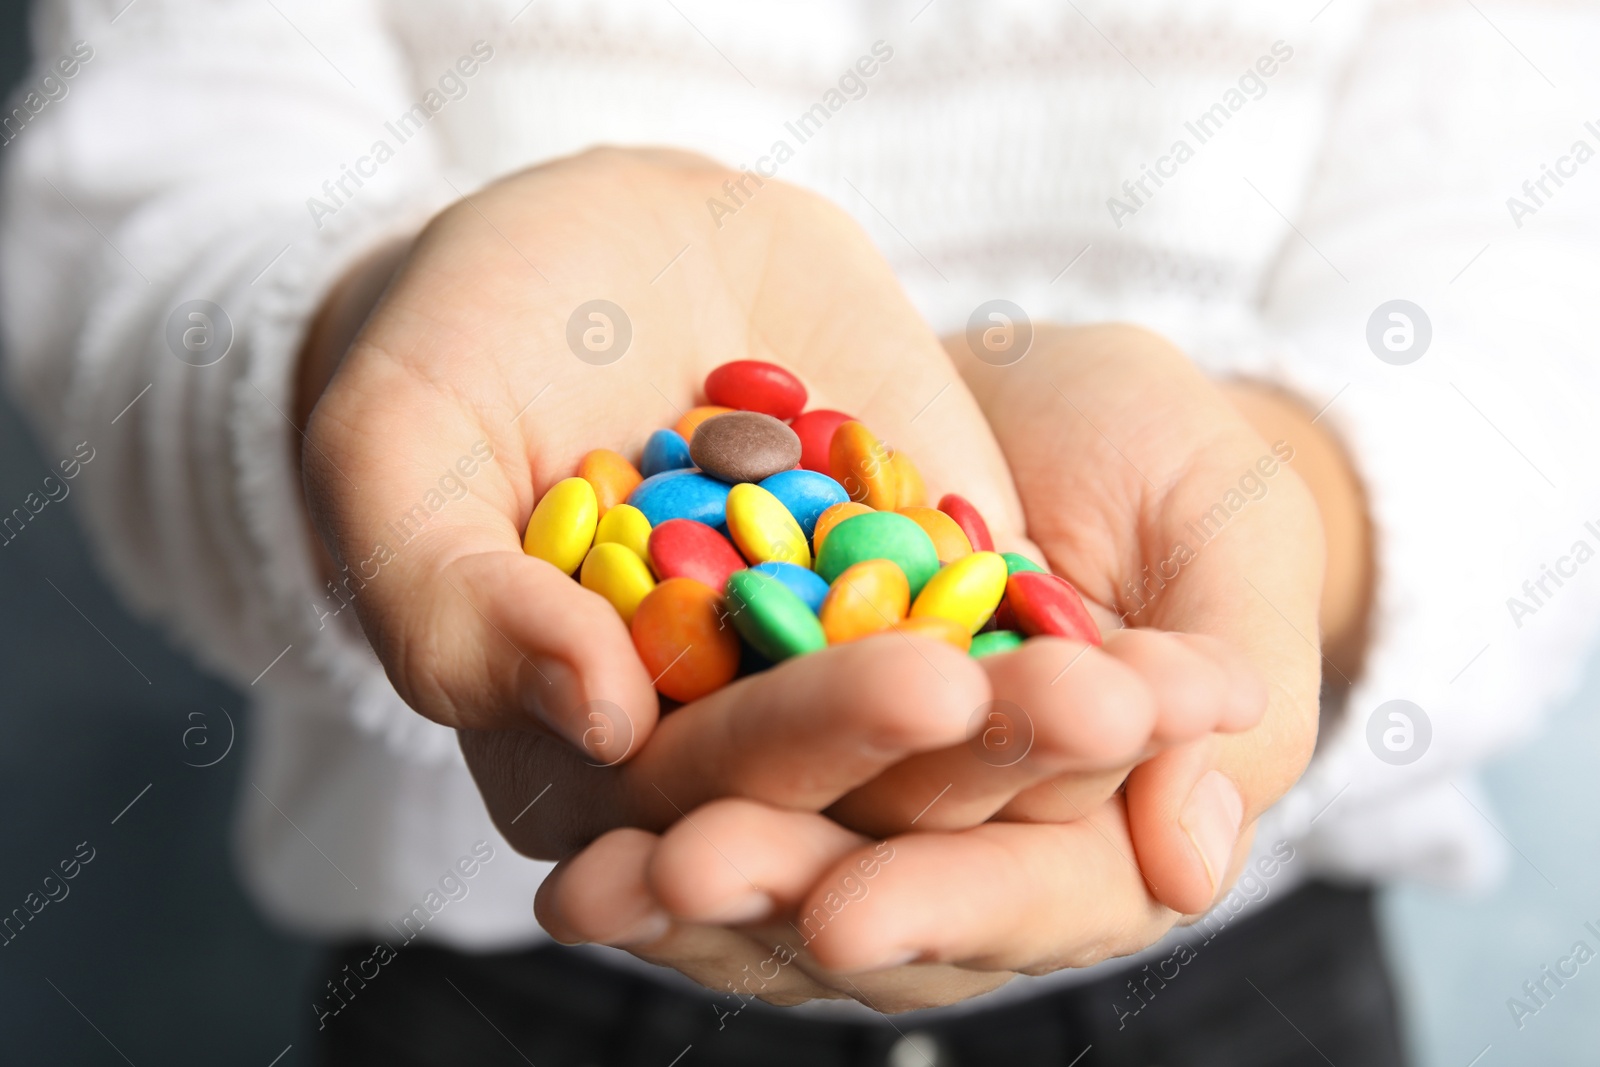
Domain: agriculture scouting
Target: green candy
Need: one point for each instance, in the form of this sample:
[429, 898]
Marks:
[1016, 563]
[880, 535]
[993, 641]
[776, 622]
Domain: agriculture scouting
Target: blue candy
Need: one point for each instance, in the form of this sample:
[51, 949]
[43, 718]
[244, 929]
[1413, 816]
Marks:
[803, 582]
[807, 494]
[665, 451]
[682, 494]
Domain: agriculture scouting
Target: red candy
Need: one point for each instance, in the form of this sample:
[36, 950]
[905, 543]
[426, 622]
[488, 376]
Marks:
[1004, 618]
[815, 430]
[683, 548]
[751, 385]
[1048, 605]
[960, 509]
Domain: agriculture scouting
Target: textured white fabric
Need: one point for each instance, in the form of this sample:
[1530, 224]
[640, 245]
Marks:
[982, 157]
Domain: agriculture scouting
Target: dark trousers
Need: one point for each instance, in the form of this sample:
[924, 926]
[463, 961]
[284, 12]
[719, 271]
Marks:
[1301, 982]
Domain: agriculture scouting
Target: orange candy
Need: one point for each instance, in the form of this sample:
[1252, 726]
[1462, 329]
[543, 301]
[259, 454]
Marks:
[684, 641]
[612, 476]
[832, 516]
[695, 416]
[909, 489]
[948, 540]
[867, 598]
[862, 464]
[945, 630]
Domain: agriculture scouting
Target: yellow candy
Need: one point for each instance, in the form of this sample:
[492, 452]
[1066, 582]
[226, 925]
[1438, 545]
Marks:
[626, 525]
[561, 528]
[616, 572]
[965, 591]
[763, 528]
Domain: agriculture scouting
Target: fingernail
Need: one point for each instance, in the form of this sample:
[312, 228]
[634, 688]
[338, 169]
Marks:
[749, 908]
[652, 927]
[1211, 817]
[550, 693]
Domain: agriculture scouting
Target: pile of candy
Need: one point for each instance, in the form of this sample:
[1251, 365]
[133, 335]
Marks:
[800, 528]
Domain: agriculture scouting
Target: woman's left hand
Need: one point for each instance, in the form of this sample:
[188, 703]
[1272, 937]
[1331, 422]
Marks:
[788, 906]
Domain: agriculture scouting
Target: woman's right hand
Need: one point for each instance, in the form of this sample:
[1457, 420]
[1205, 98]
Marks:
[470, 345]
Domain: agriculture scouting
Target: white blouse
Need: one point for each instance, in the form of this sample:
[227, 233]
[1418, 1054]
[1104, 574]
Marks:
[1253, 178]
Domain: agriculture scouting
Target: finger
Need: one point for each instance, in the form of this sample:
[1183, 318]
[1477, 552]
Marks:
[738, 861]
[1199, 683]
[1064, 797]
[809, 730]
[1245, 702]
[472, 632]
[1001, 896]
[1057, 706]
[600, 894]
[1185, 816]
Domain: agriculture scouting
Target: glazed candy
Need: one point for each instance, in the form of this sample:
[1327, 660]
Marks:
[946, 630]
[755, 531]
[1047, 604]
[909, 490]
[625, 525]
[1016, 561]
[993, 642]
[776, 622]
[751, 385]
[744, 446]
[815, 429]
[617, 573]
[948, 540]
[611, 475]
[832, 517]
[682, 641]
[966, 516]
[695, 416]
[562, 526]
[880, 535]
[763, 528]
[685, 494]
[806, 494]
[666, 450]
[803, 583]
[861, 463]
[966, 591]
[867, 598]
[683, 548]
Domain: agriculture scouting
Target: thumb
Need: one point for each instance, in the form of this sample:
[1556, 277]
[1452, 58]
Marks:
[1186, 815]
[496, 639]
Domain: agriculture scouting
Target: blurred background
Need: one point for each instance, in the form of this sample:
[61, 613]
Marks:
[155, 956]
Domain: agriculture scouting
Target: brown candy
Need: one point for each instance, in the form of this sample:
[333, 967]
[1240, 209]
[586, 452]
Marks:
[744, 446]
